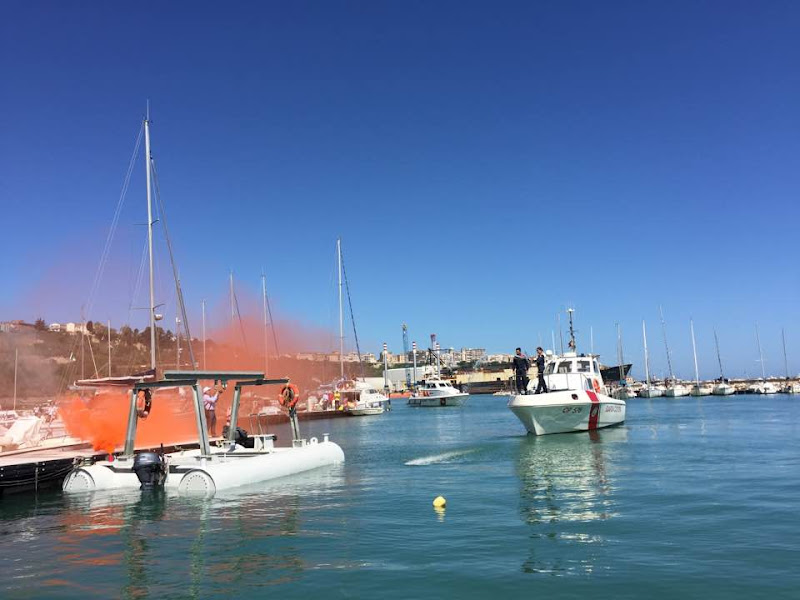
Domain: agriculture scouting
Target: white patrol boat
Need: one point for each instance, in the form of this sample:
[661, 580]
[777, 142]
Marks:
[437, 392]
[576, 400]
[236, 460]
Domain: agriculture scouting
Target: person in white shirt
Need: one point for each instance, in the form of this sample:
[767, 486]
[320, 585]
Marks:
[210, 397]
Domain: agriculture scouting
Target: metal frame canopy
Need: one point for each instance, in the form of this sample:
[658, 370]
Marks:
[192, 379]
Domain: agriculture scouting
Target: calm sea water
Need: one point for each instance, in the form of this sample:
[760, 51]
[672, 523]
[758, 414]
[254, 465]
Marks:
[690, 498]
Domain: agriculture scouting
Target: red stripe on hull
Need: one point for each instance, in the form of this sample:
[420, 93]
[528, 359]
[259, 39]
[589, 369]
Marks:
[594, 413]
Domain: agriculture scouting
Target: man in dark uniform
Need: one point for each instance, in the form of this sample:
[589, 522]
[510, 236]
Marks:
[521, 366]
[541, 386]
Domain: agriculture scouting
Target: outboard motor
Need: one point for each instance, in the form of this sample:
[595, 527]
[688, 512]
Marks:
[151, 469]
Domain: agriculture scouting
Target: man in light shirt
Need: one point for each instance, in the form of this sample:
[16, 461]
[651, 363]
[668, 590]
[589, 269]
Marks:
[210, 397]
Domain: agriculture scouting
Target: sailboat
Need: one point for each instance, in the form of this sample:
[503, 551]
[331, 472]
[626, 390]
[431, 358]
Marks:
[675, 388]
[722, 388]
[233, 461]
[359, 398]
[622, 391]
[649, 390]
[697, 389]
[790, 387]
[764, 386]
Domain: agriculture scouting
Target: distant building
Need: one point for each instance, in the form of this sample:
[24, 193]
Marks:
[74, 328]
[499, 358]
[54, 327]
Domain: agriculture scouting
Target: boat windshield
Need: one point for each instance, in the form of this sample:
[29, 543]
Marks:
[584, 366]
[565, 367]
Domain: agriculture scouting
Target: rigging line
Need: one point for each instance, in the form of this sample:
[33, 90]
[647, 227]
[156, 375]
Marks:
[178, 288]
[114, 223]
[272, 325]
[94, 362]
[239, 316]
[352, 318]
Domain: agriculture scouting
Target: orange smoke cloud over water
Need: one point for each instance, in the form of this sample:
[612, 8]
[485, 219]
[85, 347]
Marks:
[102, 420]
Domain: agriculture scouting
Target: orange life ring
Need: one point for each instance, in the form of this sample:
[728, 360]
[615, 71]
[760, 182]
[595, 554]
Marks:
[596, 385]
[289, 396]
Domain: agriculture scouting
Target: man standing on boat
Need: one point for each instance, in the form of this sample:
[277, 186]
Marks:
[521, 366]
[210, 398]
[541, 386]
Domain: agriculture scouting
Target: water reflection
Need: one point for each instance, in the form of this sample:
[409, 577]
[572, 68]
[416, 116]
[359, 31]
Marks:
[567, 491]
[153, 545]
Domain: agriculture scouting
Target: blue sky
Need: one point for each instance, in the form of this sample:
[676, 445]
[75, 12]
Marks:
[486, 164]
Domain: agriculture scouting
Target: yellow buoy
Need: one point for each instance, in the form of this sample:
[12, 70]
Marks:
[439, 502]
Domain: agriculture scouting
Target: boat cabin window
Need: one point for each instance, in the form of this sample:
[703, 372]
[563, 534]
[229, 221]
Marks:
[584, 366]
[596, 368]
[549, 368]
[565, 367]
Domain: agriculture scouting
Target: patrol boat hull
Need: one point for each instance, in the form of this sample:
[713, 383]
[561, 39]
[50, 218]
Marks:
[567, 411]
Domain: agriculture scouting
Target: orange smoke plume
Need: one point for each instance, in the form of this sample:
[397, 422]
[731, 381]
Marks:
[102, 420]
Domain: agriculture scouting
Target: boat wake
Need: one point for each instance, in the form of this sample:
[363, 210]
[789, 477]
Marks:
[438, 458]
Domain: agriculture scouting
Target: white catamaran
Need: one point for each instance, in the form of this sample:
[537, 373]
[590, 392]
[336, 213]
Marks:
[237, 460]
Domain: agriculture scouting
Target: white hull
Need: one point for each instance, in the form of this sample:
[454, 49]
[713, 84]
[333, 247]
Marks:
[191, 474]
[623, 394]
[651, 392]
[567, 411]
[365, 412]
[792, 388]
[434, 401]
[723, 389]
[701, 390]
[676, 391]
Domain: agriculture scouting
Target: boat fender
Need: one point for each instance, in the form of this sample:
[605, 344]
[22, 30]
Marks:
[596, 385]
[289, 395]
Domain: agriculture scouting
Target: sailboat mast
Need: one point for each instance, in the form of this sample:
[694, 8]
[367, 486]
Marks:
[719, 359]
[785, 362]
[694, 352]
[646, 355]
[760, 355]
[666, 346]
[264, 302]
[619, 353]
[204, 335]
[147, 160]
[341, 313]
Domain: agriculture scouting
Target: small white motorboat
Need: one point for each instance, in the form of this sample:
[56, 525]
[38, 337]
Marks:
[437, 392]
[577, 399]
[202, 471]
